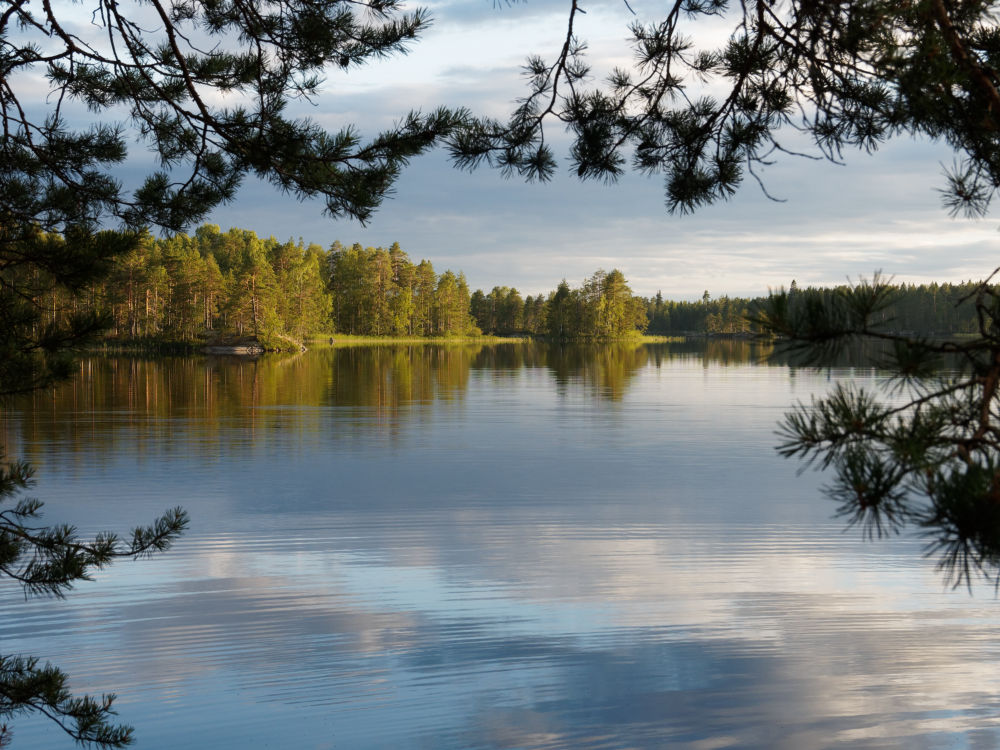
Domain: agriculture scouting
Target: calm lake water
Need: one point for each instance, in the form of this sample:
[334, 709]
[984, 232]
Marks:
[486, 547]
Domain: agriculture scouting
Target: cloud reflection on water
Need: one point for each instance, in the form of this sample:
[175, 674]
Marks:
[682, 588]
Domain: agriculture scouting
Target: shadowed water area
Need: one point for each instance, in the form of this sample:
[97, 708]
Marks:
[486, 547]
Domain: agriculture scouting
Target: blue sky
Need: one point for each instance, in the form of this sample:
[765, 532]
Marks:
[877, 212]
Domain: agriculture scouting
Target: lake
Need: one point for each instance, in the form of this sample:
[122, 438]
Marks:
[486, 547]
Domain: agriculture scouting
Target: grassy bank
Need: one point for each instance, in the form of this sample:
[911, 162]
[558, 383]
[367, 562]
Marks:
[345, 340]
[157, 346]
[339, 339]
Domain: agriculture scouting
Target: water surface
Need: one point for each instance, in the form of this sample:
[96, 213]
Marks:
[486, 547]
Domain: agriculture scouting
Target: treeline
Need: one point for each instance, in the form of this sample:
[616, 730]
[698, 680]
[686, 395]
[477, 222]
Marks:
[380, 292]
[605, 308]
[725, 315]
[924, 309]
[929, 309]
[225, 286]
[216, 286]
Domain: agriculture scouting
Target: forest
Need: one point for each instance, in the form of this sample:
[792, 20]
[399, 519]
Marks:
[225, 287]
[935, 309]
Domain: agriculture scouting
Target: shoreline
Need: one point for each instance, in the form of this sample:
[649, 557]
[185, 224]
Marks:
[256, 349]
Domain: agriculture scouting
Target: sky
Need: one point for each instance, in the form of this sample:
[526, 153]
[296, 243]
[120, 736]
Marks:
[878, 212]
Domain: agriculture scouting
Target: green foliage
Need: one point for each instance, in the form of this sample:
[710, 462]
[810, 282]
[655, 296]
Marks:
[603, 308]
[451, 306]
[725, 315]
[501, 312]
[923, 454]
[36, 339]
[379, 292]
[207, 287]
[234, 285]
